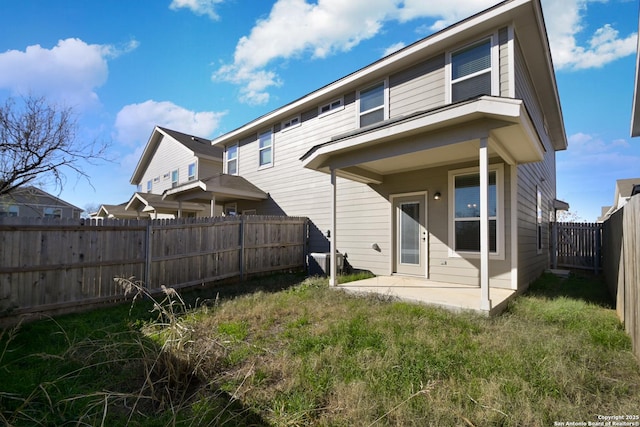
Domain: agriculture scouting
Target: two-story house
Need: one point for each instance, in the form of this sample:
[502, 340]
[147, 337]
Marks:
[33, 202]
[437, 161]
[171, 159]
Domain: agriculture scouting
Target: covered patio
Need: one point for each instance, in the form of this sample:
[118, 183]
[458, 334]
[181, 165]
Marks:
[476, 131]
[451, 296]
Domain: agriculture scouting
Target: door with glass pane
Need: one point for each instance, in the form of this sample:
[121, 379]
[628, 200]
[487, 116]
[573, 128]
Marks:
[410, 235]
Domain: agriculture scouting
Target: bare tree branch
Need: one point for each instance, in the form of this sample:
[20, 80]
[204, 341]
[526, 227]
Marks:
[38, 141]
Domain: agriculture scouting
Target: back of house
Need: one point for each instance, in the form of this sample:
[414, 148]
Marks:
[437, 161]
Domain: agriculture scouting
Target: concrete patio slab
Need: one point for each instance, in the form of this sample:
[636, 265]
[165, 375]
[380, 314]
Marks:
[451, 296]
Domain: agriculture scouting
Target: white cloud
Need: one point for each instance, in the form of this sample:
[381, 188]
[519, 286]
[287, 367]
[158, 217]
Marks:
[135, 122]
[199, 7]
[296, 28]
[565, 20]
[393, 48]
[69, 72]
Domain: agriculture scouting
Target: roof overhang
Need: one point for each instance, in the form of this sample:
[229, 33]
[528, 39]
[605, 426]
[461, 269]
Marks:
[221, 187]
[446, 135]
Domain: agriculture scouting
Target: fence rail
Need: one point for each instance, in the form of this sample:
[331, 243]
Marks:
[621, 243]
[48, 265]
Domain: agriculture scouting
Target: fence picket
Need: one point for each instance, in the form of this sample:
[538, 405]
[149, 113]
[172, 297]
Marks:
[578, 245]
[46, 265]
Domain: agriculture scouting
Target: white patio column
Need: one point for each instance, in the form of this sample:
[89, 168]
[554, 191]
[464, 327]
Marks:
[213, 205]
[333, 279]
[179, 208]
[485, 301]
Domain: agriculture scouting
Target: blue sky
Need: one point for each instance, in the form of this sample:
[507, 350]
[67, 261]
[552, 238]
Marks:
[206, 67]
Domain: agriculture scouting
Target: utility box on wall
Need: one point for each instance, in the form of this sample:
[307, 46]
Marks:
[319, 263]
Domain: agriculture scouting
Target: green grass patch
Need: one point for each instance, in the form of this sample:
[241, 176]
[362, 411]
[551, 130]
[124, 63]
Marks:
[293, 351]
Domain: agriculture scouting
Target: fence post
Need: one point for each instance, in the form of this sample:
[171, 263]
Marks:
[147, 255]
[242, 232]
[596, 261]
[554, 245]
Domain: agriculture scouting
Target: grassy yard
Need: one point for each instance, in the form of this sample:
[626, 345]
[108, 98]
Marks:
[294, 352]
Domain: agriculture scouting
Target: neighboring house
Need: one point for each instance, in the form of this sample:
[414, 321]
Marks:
[625, 188]
[169, 159]
[31, 202]
[437, 161]
[116, 211]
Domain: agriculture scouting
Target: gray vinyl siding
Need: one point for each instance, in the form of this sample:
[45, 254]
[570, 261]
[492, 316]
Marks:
[169, 156]
[418, 88]
[364, 211]
[530, 176]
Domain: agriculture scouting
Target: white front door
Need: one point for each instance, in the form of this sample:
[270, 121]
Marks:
[410, 235]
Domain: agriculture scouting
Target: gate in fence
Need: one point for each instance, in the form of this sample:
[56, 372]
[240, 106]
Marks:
[577, 245]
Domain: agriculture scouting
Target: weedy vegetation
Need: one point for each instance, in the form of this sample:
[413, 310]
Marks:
[289, 351]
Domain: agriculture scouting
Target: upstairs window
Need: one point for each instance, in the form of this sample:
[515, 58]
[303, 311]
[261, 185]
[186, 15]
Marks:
[11, 211]
[291, 123]
[174, 178]
[372, 105]
[232, 159]
[52, 213]
[192, 172]
[149, 186]
[471, 71]
[265, 148]
[332, 106]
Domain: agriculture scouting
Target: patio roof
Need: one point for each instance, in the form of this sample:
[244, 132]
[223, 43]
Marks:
[149, 202]
[431, 138]
[220, 187]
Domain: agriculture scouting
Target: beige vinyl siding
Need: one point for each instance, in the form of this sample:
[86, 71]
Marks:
[169, 156]
[503, 40]
[527, 92]
[418, 88]
[207, 168]
[542, 174]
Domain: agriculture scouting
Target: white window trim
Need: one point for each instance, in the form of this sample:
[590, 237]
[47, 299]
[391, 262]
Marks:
[331, 110]
[539, 220]
[385, 106]
[227, 160]
[500, 218]
[287, 126]
[149, 185]
[495, 66]
[177, 181]
[266, 165]
[195, 171]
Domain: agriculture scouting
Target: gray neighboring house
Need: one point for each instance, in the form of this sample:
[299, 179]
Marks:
[437, 161]
[32, 202]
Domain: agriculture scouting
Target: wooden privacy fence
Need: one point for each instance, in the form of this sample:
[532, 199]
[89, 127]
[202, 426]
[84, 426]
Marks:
[52, 265]
[621, 265]
[577, 245]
